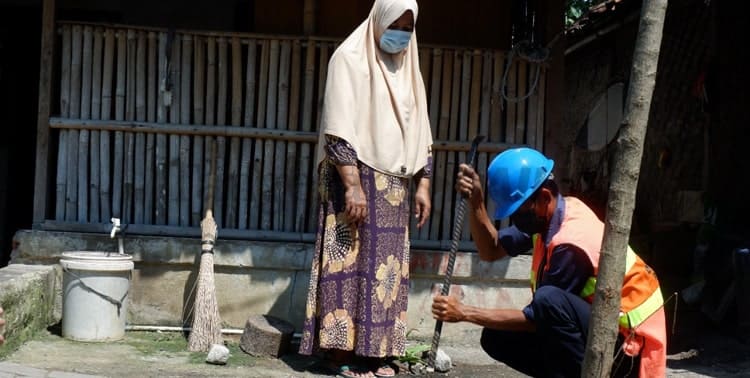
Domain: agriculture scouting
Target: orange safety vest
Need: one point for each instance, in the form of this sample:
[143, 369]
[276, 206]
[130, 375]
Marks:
[641, 313]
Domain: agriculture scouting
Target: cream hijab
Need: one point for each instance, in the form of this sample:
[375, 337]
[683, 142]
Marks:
[376, 101]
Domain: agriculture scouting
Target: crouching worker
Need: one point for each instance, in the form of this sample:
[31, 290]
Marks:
[547, 338]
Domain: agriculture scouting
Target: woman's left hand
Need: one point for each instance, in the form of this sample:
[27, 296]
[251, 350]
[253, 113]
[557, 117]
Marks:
[423, 205]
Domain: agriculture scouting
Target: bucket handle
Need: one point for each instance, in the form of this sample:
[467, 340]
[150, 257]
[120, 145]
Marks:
[106, 297]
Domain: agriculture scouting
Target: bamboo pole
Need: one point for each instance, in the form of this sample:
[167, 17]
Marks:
[129, 164]
[256, 198]
[173, 198]
[151, 104]
[322, 74]
[476, 97]
[86, 72]
[440, 158]
[474, 113]
[119, 153]
[268, 208]
[496, 113]
[140, 157]
[282, 114]
[105, 199]
[83, 136]
[290, 208]
[313, 188]
[437, 71]
[306, 125]
[464, 129]
[221, 116]
[62, 151]
[152, 89]
[247, 143]
[532, 109]
[484, 119]
[523, 79]
[463, 116]
[540, 114]
[43, 156]
[161, 179]
[425, 68]
[450, 166]
[197, 193]
[73, 195]
[95, 141]
[233, 173]
[241, 132]
[130, 90]
[510, 107]
[185, 77]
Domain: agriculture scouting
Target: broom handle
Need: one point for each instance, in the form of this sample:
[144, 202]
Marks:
[457, 229]
[211, 177]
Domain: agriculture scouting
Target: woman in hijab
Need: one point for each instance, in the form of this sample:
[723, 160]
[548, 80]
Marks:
[375, 142]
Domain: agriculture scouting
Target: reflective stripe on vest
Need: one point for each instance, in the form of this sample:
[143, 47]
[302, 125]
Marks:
[636, 316]
[590, 286]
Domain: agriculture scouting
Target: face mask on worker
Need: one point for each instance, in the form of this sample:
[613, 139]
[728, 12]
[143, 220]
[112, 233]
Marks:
[394, 41]
[528, 222]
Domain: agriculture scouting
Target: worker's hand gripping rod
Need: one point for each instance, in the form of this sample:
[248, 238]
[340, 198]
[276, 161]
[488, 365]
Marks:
[457, 229]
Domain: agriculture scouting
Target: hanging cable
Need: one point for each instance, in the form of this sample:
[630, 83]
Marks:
[536, 56]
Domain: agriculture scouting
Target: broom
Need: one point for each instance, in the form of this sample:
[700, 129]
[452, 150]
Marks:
[206, 329]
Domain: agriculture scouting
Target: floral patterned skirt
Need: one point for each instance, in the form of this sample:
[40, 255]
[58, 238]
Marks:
[359, 282]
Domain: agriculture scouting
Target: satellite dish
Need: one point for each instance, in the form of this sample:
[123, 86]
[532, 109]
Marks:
[604, 119]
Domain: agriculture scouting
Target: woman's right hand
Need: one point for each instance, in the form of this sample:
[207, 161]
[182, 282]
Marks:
[356, 204]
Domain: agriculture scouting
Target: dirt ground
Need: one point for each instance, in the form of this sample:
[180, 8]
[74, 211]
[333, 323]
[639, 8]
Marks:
[152, 354]
[710, 353]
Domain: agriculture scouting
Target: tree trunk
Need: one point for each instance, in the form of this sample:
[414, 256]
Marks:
[606, 307]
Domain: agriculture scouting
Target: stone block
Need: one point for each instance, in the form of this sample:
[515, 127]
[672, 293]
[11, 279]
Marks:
[266, 336]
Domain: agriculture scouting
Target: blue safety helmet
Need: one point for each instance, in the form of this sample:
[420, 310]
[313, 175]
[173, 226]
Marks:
[513, 176]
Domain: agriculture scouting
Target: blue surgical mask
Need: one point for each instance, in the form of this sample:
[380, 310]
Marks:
[394, 41]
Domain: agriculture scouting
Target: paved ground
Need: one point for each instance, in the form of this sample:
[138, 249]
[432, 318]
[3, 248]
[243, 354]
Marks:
[153, 354]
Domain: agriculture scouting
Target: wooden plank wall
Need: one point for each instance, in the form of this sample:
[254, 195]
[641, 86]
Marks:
[171, 93]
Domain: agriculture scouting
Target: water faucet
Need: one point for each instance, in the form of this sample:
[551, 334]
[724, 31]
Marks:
[117, 227]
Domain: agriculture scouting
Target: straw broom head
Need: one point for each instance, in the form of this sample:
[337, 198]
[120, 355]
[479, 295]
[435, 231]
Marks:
[206, 329]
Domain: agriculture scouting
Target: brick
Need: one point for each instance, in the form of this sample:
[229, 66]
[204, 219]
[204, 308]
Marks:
[266, 336]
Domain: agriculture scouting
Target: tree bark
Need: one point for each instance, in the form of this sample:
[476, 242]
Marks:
[606, 306]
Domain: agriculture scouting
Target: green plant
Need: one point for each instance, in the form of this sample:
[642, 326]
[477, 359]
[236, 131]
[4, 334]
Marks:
[413, 353]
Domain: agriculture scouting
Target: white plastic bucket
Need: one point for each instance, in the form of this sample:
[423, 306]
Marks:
[95, 293]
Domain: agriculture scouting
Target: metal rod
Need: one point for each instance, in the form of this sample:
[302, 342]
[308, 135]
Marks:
[457, 229]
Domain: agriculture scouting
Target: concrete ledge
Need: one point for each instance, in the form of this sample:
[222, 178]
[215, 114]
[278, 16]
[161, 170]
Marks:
[269, 278]
[28, 295]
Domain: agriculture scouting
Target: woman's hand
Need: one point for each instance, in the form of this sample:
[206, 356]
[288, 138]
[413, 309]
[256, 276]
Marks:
[447, 309]
[356, 204]
[423, 204]
[354, 197]
[469, 184]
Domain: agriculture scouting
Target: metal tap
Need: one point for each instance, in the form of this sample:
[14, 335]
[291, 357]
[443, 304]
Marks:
[117, 227]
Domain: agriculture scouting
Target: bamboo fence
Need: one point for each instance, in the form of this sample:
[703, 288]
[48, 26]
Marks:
[137, 107]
